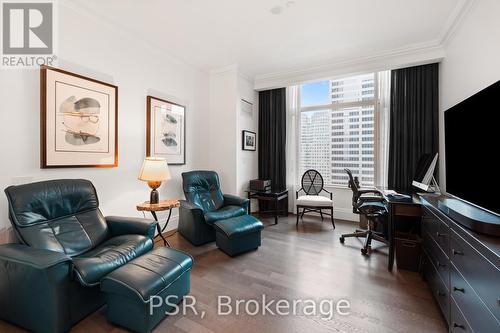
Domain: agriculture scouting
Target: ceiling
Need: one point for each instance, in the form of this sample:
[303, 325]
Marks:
[266, 36]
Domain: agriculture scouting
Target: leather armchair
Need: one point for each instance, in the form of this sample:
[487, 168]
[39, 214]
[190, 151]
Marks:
[205, 204]
[51, 280]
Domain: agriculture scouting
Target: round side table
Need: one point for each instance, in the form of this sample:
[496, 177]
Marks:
[161, 206]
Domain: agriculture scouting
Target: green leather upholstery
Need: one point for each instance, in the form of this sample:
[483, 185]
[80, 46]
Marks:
[50, 281]
[225, 212]
[93, 265]
[205, 204]
[163, 272]
[238, 234]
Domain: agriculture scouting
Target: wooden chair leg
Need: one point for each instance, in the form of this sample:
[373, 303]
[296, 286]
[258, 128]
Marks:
[321, 214]
[298, 213]
[331, 216]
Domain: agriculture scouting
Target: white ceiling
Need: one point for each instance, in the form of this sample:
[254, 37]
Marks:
[214, 33]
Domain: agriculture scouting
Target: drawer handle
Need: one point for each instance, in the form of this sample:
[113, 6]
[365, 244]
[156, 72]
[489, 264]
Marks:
[459, 289]
[440, 264]
[459, 326]
[440, 235]
[457, 252]
[440, 293]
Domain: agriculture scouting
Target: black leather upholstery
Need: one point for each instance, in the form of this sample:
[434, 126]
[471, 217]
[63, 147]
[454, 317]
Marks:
[68, 246]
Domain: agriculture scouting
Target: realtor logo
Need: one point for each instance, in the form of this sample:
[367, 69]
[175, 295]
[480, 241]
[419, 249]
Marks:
[27, 29]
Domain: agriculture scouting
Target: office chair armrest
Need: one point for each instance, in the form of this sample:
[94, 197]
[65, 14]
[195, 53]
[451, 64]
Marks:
[361, 192]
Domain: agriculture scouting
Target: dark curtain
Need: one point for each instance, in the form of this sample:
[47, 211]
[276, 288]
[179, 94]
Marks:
[414, 122]
[272, 139]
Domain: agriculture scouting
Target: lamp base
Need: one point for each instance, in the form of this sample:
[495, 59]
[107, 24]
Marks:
[154, 197]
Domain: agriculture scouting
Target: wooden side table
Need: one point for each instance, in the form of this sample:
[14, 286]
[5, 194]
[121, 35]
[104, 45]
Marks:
[163, 205]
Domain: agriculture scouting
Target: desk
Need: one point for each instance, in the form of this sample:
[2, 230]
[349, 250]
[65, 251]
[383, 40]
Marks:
[397, 209]
[275, 196]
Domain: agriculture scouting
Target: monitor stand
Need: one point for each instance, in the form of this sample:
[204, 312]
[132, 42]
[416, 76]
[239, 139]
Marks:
[471, 216]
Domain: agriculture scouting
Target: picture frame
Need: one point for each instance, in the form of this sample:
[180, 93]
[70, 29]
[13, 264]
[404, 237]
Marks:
[78, 120]
[166, 130]
[248, 140]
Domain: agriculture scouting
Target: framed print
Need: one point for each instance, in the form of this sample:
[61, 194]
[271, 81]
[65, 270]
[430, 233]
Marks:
[166, 130]
[249, 141]
[78, 120]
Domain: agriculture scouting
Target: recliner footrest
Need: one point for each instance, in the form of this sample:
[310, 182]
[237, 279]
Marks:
[238, 234]
[130, 289]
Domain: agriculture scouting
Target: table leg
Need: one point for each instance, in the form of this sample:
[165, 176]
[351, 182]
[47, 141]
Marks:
[391, 234]
[160, 231]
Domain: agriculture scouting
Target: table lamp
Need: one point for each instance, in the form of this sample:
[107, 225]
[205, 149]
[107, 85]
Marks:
[154, 170]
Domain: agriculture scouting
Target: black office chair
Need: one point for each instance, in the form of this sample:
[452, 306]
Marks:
[312, 186]
[373, 207]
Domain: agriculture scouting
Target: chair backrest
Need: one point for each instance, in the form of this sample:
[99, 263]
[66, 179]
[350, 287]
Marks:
[312, 182]
[58, 215]
[202, 188]
[354, 186]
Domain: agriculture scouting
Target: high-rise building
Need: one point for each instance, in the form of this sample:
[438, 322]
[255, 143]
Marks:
[342, 134]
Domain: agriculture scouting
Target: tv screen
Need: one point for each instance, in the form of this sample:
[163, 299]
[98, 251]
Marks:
[472, 149]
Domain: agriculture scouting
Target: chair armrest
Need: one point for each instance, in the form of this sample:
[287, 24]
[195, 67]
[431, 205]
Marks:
[330, 193]
[297, 192]
[28, 256]
[120, 225]
[361, 192]
[190, 206]
[34, 288]
[236, 201]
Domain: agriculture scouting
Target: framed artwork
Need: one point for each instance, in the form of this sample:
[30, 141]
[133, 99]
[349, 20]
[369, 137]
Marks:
[78, 120]
[249, 140]
[166, 130]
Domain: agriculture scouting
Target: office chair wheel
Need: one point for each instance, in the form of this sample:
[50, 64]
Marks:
[342, 240]
[364, 251]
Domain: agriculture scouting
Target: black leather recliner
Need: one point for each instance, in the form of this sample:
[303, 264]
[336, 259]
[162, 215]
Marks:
[205, 204]
[51, 280]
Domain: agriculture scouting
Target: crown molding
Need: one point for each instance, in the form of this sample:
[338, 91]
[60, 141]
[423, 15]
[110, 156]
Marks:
[454, 20]
[411, 55]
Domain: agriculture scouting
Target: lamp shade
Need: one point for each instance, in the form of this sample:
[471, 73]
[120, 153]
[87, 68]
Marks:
[154, 169]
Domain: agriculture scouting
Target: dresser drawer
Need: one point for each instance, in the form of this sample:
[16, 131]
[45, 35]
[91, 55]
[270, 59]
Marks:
[458, 324]
[473, 309]
[437, 287]
[437, 257]
[478, 271]
[439, 231]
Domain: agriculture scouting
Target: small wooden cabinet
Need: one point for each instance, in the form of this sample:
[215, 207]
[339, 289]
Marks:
[462, 269]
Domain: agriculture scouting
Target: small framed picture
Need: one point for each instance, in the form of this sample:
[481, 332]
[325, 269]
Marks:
[78, 120]
[249, 140]
[166, 130]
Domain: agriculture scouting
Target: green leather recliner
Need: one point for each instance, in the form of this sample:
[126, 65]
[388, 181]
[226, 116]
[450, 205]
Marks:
[50, 280]
[205, 204]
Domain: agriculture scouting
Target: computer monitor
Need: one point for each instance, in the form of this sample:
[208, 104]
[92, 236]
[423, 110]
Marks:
[424, 176]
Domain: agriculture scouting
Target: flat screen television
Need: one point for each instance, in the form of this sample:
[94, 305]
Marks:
[472, 149]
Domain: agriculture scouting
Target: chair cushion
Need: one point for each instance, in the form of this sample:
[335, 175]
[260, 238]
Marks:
[239, 226]
[223, 213]
[314, 201]
[148, 275]
[202, 188]
[373, 207]
[93, 265]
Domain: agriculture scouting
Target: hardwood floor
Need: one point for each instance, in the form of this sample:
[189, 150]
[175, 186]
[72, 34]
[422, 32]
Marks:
[304, 263]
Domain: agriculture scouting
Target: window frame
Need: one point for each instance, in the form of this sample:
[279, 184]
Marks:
[337, 106]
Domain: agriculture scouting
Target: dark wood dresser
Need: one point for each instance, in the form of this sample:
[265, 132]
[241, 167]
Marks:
[462, 269]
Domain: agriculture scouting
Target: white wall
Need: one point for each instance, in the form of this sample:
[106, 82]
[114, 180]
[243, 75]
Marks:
[93, 48]
[472, 61]
[222, 121]
[247, 161]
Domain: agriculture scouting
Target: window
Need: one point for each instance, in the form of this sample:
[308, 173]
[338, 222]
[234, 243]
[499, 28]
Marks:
[329, 112]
